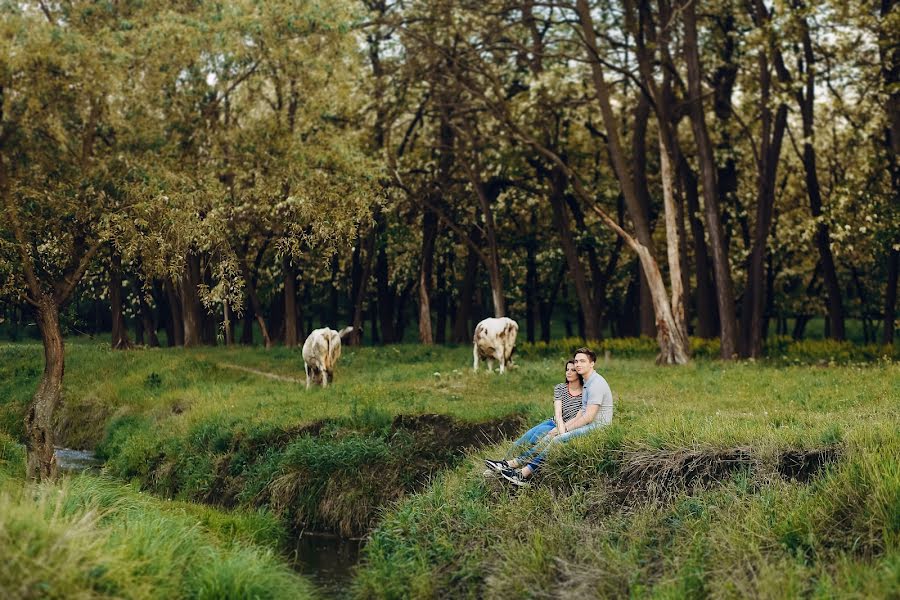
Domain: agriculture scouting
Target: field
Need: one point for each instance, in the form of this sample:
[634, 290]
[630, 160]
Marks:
[779, 478]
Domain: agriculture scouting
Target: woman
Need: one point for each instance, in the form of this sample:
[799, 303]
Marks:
[566, 406]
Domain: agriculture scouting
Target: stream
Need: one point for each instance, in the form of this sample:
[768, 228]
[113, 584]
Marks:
[75, 461]
[328, 560]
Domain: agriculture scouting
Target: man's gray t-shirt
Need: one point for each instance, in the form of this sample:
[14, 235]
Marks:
[596, 391]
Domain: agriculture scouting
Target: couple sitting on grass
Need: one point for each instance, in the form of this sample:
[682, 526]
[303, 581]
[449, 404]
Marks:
[584, 402]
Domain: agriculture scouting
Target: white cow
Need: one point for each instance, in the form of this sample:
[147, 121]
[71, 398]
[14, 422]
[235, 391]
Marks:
[321, 351]
[495, 338]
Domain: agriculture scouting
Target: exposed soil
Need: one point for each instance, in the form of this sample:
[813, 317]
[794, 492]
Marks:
[804, 465]
[663, 473]
[436, 434]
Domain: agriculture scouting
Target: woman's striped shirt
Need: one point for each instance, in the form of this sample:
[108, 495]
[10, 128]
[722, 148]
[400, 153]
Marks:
[570, 404]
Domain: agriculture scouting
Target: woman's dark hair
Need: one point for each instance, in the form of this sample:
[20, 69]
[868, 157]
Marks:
[572, 362]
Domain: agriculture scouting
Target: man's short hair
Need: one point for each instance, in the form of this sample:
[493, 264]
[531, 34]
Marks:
[588, 352]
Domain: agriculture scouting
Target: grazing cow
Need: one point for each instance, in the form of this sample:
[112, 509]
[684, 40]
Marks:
[495, 338]
[321, 351]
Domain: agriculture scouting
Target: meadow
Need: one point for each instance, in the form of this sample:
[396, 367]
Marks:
[776, 478]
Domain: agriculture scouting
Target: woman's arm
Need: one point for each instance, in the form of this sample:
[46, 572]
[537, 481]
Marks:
[557, 412]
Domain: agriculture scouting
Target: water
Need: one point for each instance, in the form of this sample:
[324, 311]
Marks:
[327, 560]
[75, 461]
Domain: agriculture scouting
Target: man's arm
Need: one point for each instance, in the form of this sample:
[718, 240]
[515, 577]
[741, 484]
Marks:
[584, 418]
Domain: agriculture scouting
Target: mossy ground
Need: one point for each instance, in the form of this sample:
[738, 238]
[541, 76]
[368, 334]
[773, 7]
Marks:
[638, 509]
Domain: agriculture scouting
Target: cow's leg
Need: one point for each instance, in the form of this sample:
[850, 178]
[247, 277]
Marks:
[502, 364]
[324, 377]
[475, 358]
[490, 365]
[308, 381]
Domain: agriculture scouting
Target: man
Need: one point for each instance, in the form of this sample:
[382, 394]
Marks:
[596, 411]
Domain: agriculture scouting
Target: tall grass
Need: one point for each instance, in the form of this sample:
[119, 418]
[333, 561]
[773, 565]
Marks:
[92, 537]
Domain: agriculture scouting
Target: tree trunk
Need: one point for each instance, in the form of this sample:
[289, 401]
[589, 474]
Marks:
[461, 331]
[487, 195]
[362, 289]
[209, 322]
[39, 420]
[174, 302]
[146, 314]
[721, 265]
[373, 320]
[290, 302]
[355, 276]
[531, 281]
[385, 292]
[811, 291]
[120, 339]
[889, 52]
[806, 101]
[754, 296]
[723, 81]
[673, 343]
[890, 299]
[255, 304]
[303, 295]
[673, 249]
[247, 326]
[598, 277]
[332, 316]
[190, 301]
[558, 183]
[705, 308]
[440, 335]
[400, 323]
[639, 160]
[228, 323]
[429, 234]
[771, 136]
[547, 303]
[276, 318]
[163, 315]
[139, 332]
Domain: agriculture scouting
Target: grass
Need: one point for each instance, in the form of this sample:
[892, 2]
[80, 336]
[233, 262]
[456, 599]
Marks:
[775, 478]
[93, 537]
[693, 492]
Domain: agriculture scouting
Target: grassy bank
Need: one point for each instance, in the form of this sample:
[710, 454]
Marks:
[201, 426]
[733, 481]
[93, 537]
[714, 479]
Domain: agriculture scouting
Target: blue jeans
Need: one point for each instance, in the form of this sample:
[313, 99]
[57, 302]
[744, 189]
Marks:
[525, 446]
[536, 462]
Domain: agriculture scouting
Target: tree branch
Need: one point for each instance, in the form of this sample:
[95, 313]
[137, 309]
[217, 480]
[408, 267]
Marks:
[65, 288]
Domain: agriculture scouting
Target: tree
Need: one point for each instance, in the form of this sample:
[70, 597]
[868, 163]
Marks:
[62, 179]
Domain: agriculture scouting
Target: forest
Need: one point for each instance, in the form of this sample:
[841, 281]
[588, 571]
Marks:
[197, 173]
[704, 192]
